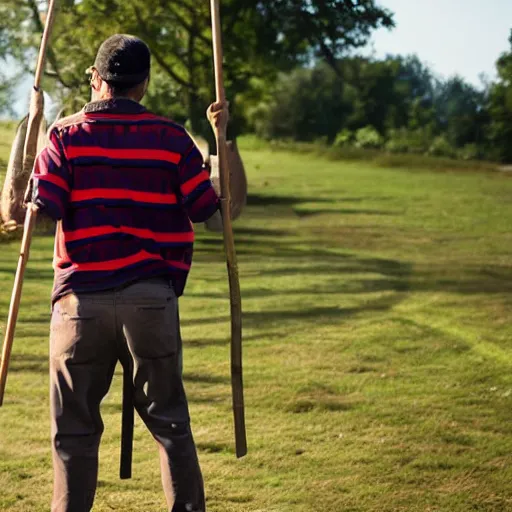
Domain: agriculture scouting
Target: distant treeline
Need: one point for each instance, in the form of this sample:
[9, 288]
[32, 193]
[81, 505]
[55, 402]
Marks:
[396, 104]
[288, 73]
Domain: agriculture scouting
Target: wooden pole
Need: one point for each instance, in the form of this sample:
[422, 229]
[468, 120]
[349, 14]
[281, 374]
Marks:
[36, 101]
[35, 117]
[229, 246]
[14, 307]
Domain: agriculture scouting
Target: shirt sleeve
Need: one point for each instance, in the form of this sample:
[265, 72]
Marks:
[52, 179]
[199, 197]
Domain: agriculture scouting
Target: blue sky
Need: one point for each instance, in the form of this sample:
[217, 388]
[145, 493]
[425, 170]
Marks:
[462, 37]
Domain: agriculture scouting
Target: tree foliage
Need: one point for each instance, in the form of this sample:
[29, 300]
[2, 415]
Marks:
[6, 93]
[358, 92]
[400, 98]
[460, 111]
[290, 71]
[261, 38]
[500, 108]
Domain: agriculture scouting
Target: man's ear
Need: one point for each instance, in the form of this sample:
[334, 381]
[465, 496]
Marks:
[96, 81]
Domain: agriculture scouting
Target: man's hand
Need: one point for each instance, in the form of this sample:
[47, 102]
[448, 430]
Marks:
[10, 226]
[218, 115]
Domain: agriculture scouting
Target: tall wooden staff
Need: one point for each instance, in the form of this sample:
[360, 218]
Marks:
[229, 246]
[29, 154]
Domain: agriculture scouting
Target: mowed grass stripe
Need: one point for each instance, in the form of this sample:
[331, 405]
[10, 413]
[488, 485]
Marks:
[377, 350]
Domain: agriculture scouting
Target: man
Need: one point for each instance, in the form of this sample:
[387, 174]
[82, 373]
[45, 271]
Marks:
[124, 186]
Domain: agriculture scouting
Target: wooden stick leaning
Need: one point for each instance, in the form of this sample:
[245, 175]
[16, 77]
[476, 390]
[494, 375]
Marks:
[229, 246]
[127, 424]
[29, 154]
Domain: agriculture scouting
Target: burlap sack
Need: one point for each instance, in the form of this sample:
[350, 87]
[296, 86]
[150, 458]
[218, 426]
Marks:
[15, 183]
[238, 185]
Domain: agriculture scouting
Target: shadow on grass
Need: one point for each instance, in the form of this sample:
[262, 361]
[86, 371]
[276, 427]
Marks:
[262, 319]
[28, 363]
[315, 251]
[265, 200]
[302, 206]
[41, 319]
[205, 378]
[245, 231]
[312, 256]
[212, 342]
[340, 211]
[212, 447]
[31, 273]
[202, 343]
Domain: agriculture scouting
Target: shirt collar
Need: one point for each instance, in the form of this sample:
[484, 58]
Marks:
[114, 106]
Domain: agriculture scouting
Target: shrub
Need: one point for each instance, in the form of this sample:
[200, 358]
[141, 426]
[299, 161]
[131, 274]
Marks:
[408, 141]
[469, 152]
[368, 138]
[343, 138]
[397, 143]
[441, 147]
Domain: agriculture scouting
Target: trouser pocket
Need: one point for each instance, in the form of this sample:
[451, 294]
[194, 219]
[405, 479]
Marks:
[151, 329]
[75, 330]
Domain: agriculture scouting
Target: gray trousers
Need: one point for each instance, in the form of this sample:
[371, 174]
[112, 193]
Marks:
[139, 326]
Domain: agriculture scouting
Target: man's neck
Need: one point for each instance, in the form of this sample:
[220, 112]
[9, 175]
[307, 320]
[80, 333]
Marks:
[110, 97]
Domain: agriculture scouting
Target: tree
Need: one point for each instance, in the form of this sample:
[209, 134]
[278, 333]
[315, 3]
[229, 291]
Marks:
[305, 104]
[371, 86]
[460, 111]
[500, 108]
[261, 38]
[310, 103]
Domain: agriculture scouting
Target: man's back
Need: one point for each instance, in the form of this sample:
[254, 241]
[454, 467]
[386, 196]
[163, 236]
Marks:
[126, 185]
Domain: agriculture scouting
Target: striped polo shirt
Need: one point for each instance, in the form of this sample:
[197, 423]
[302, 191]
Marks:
[125, 186]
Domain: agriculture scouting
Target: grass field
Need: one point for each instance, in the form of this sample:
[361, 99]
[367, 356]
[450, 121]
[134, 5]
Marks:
[378, 363]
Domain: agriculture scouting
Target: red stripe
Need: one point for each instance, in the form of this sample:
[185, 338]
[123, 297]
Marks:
[123, 154]
[205, 201]
[194, 182]
[52, 178]
[134, 117]
[116, 193]
[117, 263]
[125, 262]
[80, 234]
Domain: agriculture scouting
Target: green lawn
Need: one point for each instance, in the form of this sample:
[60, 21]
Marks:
[377, 353]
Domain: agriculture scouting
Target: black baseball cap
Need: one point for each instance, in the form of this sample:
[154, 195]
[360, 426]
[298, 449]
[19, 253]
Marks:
[122, 59]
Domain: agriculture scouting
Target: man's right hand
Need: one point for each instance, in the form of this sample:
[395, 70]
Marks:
[218, 115]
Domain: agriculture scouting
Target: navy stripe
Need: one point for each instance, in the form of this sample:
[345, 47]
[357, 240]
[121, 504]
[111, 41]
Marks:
[124, 202]
[121, 237]
[53, 189]
[88, 161]
[112, 249]
[199, 191]
[156, 180]
[119, 121]
[92, 217]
